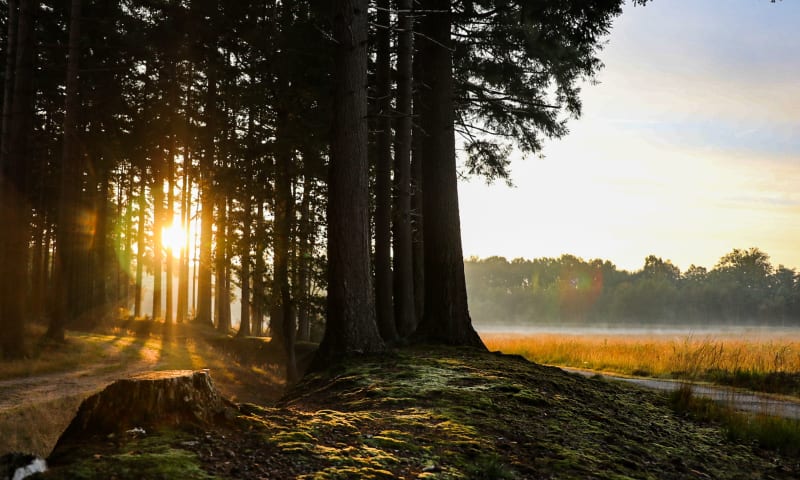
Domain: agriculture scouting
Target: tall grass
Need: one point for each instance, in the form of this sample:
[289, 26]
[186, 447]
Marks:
[764, 363]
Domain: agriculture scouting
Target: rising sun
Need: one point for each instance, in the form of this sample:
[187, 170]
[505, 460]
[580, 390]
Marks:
[173, 238]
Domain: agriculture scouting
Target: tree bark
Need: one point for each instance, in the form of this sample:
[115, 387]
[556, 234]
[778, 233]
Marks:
[403, 255]
[157, 191]
[185, 258]
[244, 316]
[8, 79]
[221, 270]
[303, 255]
[169, 222]
[140, 246]
[259, 294]
[68, 234]
[284, 211]
[417, 192]
[446, 315]
[383, 182]
[351, 326]
[207, 201]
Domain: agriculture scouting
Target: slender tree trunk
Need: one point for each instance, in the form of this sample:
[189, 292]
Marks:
[351, 326]
[68, 234]
[221, 283]
[446, 316]
[403, 255]
[170, 222]
[383, 180]
[259, 293]
[417, 193]
[183, 274]
[128, 256]
[284, 201]
[8, 79]
[302, 259]
[207, 200]
[157, 190]
[244, 316]
[101, 243]
[140, 246]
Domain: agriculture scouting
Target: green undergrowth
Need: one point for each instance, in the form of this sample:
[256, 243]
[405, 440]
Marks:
[446, 413]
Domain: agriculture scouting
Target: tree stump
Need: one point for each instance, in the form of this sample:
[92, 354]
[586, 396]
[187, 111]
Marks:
[175, 398]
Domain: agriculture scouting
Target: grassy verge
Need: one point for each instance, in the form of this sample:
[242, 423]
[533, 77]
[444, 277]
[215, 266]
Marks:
[781, 435]
[768, 364]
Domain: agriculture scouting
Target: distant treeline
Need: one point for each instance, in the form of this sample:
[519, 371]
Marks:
[742, 288]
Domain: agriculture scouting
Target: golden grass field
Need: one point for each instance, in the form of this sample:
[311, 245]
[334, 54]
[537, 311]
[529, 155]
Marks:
[692, 356]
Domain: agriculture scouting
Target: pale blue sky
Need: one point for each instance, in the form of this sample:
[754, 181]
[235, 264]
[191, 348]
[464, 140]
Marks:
[689, 146]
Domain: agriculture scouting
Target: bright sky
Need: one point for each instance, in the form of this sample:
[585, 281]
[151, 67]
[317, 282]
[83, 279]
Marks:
[689, 147]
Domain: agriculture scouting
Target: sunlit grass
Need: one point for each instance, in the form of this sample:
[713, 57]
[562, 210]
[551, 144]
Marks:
[107, 352]
[79, 349]
[768, 363]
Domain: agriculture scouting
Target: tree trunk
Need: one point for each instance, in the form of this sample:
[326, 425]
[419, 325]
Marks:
[101, 243]
[403, 255]
[68, 233]
[183, 262]
[170, 223]
[126, 281]
[302, 258]
[207, 200]
[244, 316]
[259, 294]
[351, 326]
[383, 181]
[221, 270]
[8, 79]
[284, 202]
[157, 190]
[446, 316]
[417, 193]
[140, 246]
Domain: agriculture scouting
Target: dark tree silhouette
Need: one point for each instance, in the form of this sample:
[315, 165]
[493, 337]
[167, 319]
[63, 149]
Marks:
[445, 317]
[351, 324]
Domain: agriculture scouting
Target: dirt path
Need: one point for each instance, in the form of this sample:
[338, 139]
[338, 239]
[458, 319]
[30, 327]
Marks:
[741, 400]
[34, 410]
[19, 392]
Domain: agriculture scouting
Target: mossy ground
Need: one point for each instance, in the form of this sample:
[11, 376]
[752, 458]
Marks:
[444, 413]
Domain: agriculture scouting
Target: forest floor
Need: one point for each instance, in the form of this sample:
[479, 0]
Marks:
[39, 396]
[441, 413]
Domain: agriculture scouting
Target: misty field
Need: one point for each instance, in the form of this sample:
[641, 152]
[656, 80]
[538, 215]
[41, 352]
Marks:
[751, 359]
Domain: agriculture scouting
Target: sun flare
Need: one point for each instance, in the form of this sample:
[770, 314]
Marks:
[173, 238]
